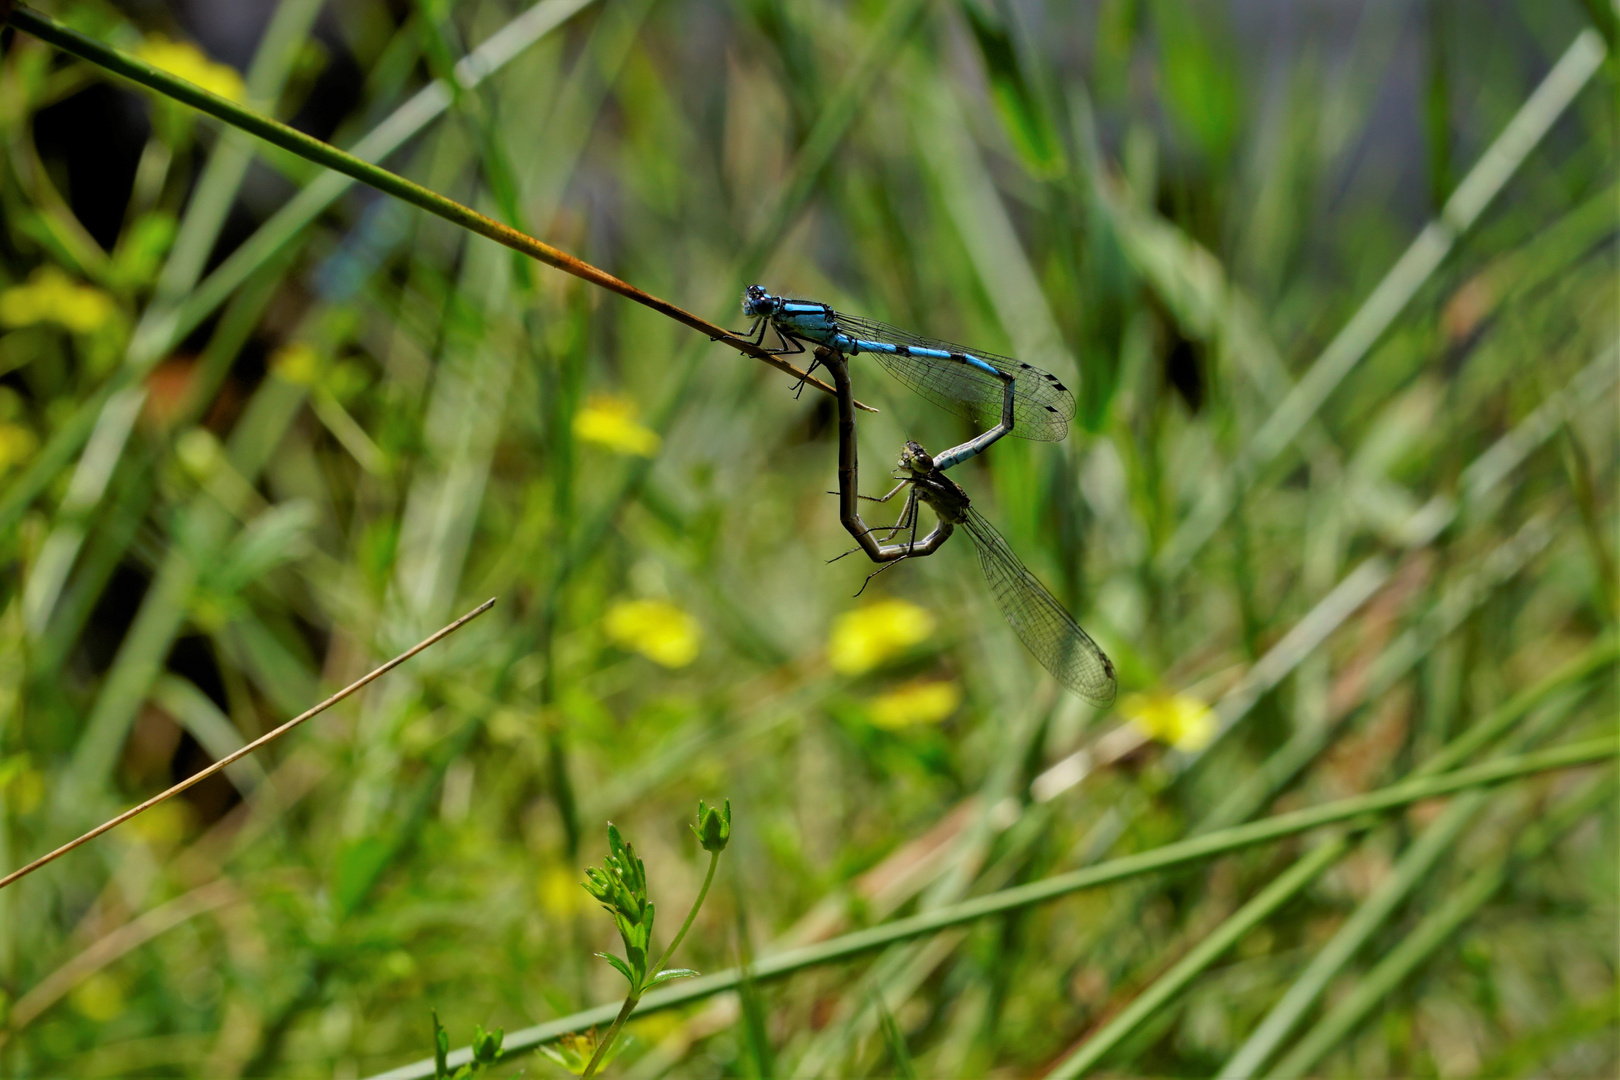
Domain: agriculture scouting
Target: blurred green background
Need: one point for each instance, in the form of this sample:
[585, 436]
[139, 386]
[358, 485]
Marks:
[1342, 486]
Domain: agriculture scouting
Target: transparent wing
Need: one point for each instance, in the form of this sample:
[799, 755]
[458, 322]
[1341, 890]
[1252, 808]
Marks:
[1042, 407]
[1042, 625]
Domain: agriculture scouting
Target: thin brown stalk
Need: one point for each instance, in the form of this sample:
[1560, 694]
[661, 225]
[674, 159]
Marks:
[229, 759]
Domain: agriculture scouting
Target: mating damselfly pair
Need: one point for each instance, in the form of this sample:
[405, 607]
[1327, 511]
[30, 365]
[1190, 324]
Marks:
[1019, 398]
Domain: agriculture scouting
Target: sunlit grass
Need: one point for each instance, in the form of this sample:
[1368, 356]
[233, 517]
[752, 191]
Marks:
[1325, 560]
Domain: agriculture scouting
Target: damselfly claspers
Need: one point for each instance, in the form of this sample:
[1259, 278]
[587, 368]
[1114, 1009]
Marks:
[979, 385]
[1041, 623]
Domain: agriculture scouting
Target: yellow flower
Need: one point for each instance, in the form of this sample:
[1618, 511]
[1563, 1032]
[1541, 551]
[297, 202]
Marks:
[99, 998]
[611, 422]
[296, 363]
[162, 826]
[190, 63]
[575, 1050]
[660, 631]
[22, 785]
[198, 452]
[558, 891]
[52, 296]
[16, 445]
[1180, 720]
[915, 703]
[866, 637]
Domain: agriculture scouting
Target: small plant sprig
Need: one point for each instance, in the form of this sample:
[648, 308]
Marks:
[620, 886]
[486, 1051]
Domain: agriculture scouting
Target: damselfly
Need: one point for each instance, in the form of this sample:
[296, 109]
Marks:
[969, 382]
[1041, 623]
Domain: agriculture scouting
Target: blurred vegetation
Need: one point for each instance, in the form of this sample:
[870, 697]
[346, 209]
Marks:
[1341, 511]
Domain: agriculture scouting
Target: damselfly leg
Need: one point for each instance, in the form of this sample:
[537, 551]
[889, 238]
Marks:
[907, 519]
[849, 483]
[879, 570]
[755, 336]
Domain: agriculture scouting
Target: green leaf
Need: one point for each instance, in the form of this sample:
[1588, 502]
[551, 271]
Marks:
[277, 536]
[1024, 115]
[1199, 79]
[486, 1045]
[621, 967]
[141, 249]
[896, 1040]
[574, 1050]
[358, 866]
[441, 1049]
[636, 957]
[673, 973]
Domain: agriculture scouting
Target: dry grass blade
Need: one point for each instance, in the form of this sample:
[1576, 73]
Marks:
[256, 744]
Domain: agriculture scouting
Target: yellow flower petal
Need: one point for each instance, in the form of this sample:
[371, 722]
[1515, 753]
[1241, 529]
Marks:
[21, 785]
[190, 63]
[868, 636]
[1180, 720]
[915, 703]
[558, 891]
[296, 363]
[162, 826]
[611, 422]
[17, 445]
[51, 296]
[99, 998]
[660, 631]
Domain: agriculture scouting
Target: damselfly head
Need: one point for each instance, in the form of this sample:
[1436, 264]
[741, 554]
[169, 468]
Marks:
[757, 302]
[915, 458]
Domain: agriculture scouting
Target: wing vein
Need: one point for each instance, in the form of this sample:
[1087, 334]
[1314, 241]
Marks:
[1040, 622]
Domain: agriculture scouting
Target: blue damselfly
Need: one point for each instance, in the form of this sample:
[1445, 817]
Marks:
[982, 386]
[1039, 620]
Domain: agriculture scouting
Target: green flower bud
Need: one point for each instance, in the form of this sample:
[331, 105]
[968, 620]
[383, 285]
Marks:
[713, 826]
[486, 1045]
[620, 884]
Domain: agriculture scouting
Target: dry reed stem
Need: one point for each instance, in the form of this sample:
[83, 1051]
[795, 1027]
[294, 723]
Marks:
[229, 759]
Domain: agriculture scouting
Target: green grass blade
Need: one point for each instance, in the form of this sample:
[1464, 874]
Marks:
[1167, 857]
[993, 245]
[166, 605]
[1481, 478]
[222, 177]
[1494, 168]
[1435, 929]
[1413, 867]
[199, 229]
[153, 339]
[1282, 889]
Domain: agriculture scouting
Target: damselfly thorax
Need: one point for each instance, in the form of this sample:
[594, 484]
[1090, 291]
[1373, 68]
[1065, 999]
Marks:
[1019, 398]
